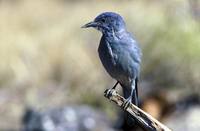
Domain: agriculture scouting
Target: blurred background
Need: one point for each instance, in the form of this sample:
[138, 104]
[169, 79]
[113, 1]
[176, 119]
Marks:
[49, 64]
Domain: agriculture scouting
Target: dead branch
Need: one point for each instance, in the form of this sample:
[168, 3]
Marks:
[145, 120]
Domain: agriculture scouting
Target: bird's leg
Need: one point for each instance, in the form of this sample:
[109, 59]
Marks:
[128, 101]
[113, 88]
[135, 97]
[115, 85]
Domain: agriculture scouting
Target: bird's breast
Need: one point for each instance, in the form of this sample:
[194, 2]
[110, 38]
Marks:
[108, 57]
[119, 59]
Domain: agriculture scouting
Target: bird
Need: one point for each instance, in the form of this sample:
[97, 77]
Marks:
[119, 52]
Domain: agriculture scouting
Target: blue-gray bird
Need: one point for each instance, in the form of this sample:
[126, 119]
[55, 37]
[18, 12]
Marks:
[119, 53]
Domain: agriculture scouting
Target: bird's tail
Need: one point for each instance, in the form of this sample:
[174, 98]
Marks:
[136, 92]
[128, 120]
[127, 92]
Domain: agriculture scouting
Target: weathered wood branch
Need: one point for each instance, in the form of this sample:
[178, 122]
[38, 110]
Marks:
[145, 120]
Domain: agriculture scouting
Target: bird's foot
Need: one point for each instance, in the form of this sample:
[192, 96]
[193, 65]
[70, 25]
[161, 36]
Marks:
[126, 103]
[108, 92]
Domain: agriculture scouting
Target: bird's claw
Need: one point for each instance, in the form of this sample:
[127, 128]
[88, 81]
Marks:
[108, 93]
[126, 103]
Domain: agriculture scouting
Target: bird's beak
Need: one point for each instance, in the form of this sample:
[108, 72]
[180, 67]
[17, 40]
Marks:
[90, 24]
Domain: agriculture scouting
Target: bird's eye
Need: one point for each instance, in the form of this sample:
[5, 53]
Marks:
[103, 20]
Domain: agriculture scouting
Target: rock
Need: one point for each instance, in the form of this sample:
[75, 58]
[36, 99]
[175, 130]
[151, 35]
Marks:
[187, 120]
[72, 118]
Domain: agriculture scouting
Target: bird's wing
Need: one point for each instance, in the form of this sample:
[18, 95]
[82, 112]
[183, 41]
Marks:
[135, 51]
[132, 49]
[130, 57]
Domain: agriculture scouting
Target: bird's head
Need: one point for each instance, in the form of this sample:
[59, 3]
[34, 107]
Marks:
[106, 22]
